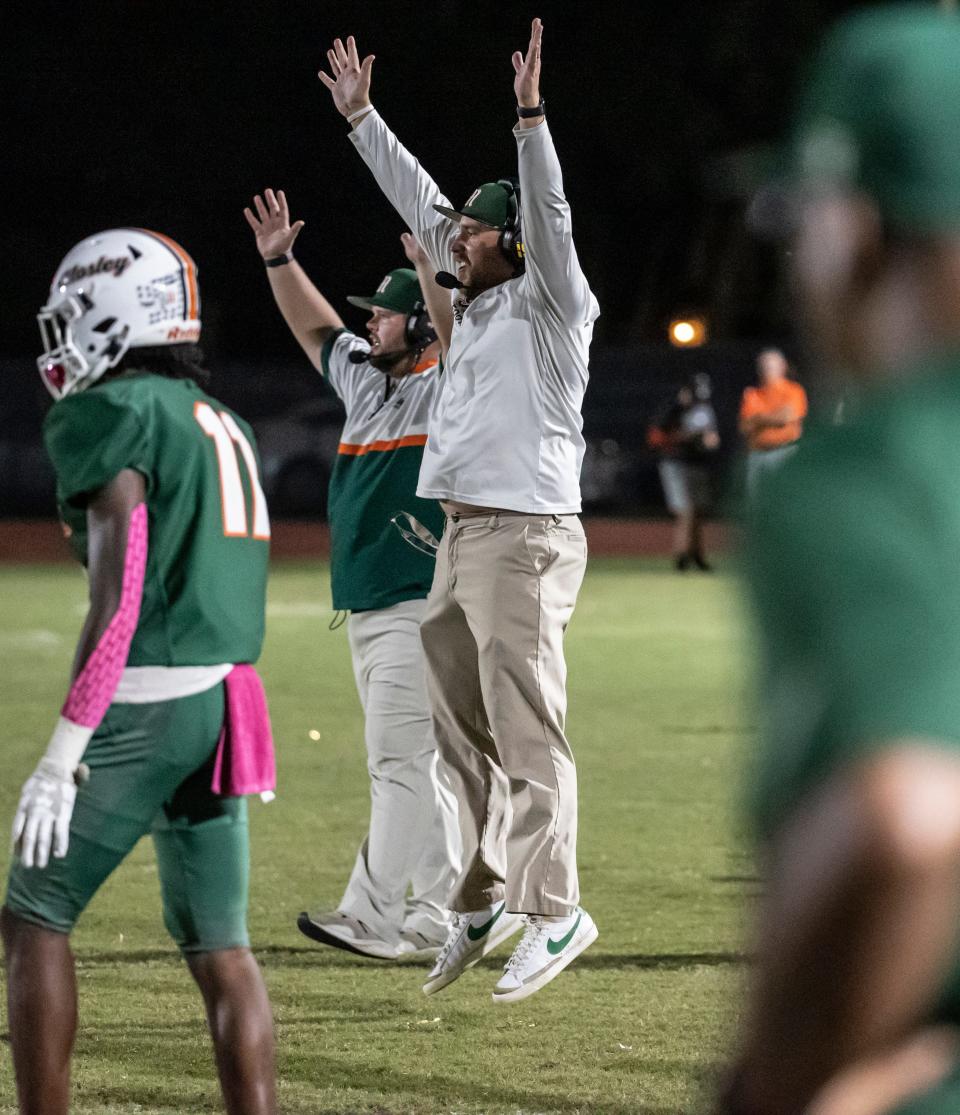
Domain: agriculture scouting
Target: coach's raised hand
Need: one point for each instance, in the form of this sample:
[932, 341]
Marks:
[349, 78]
[526, 84]
[271, 226]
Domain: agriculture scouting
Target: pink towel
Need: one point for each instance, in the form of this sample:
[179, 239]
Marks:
[245, 762]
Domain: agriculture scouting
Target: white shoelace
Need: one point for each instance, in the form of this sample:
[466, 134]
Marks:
[452, 937]
[535, 929]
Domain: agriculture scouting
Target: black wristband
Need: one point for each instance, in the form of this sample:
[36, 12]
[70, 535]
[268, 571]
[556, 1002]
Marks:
[279, 261]
[529, 113]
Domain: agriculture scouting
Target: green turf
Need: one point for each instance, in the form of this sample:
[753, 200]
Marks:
[659, 723]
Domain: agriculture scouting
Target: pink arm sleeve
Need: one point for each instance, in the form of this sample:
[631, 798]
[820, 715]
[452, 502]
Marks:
[94, 687]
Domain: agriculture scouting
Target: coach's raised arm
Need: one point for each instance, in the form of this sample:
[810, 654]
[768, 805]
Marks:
[547, 249]
[551, 259]
[410, 190]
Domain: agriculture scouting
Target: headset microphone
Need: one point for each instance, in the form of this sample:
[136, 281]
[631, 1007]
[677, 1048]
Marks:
[383, 359]
[445, 279]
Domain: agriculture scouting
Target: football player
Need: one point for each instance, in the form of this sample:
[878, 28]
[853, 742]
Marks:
[165, 721]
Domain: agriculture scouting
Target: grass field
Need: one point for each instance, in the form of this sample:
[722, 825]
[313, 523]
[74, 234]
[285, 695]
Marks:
[660, 725]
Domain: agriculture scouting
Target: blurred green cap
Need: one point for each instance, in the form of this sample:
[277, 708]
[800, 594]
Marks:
[880, 114]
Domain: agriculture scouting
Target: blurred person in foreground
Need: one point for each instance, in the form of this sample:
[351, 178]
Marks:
[853, 568]
[685, 437]
[165, 724]
[771, 417]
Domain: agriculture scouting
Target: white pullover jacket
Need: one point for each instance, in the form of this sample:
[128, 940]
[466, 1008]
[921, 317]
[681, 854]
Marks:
[505, 430]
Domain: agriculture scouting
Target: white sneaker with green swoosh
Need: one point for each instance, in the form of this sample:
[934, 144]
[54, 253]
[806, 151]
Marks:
[547, 946]
[470, 938]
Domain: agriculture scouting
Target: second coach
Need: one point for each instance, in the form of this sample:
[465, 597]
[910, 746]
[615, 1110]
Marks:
[503, 456]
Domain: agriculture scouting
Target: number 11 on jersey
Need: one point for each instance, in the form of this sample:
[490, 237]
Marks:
[227, 439]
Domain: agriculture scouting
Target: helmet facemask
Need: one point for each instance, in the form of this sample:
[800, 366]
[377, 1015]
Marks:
[77, 352]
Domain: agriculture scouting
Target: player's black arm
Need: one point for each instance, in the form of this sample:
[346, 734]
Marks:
[858, 930]
[108, 520]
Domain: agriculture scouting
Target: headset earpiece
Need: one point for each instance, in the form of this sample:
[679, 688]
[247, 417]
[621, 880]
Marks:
[419, 332]
[511, 239]
[512, 247]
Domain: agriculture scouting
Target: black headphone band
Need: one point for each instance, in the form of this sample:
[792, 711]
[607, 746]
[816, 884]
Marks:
[512, 188]
[511, 238]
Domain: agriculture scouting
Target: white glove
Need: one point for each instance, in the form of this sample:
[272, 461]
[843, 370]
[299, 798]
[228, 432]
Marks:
[43, 815]
[46, 801]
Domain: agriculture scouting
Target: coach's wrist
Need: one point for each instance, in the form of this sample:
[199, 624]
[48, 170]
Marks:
[357, 112]
[278, 261]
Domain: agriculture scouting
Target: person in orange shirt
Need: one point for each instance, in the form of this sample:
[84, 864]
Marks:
[771, 417]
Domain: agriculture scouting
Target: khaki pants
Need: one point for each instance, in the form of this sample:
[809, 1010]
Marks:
[503, 593]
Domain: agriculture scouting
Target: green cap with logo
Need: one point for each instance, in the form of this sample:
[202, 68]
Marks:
[493, 204]
[880, 114]
[399, 291]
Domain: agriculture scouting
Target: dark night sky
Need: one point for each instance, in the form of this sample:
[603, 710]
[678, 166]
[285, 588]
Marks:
[170, 116]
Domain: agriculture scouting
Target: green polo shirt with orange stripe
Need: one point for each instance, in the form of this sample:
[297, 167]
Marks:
[375, 477]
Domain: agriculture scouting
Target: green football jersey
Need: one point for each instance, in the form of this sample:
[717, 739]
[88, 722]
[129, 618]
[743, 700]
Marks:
[205, 583]
[853, 556]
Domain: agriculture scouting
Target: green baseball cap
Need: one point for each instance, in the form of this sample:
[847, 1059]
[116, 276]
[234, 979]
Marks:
[399, 291]
[493, 204]
[880, 113]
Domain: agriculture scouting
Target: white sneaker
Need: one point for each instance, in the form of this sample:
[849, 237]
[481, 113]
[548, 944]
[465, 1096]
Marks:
[470, 938]
[415, 945]
[547, 946]
[342, 931]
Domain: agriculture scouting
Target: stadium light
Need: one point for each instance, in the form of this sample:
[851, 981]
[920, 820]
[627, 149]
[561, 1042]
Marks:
[689, 331]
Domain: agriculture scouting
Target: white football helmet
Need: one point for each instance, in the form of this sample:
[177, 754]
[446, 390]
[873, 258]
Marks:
[120, 289]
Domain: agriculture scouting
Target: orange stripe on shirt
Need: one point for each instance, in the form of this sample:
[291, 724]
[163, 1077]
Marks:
[189, 267]
[349, 450]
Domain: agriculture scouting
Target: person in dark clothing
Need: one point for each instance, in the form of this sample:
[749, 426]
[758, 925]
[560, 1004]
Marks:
[686, 439]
